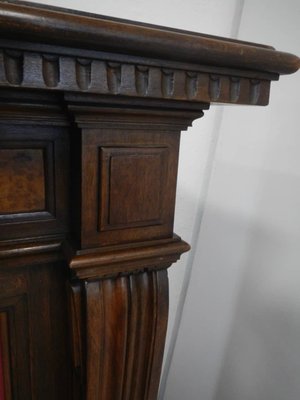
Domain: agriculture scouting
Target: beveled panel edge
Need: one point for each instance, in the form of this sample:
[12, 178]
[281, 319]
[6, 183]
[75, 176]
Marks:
[106, 156]
[117, 260]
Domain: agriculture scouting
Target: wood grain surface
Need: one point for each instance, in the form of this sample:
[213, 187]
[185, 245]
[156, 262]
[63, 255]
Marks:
[91, 111]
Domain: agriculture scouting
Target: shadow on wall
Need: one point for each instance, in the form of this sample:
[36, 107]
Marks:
[262, 360]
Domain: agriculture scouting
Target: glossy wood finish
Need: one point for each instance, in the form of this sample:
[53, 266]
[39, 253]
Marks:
[33, 331]
[130, 165]
[125, 322]
[33, 177]
[114, 57]
[22, 174]
[109, 74]
[91, 110]
[5, 367]
[127, 37]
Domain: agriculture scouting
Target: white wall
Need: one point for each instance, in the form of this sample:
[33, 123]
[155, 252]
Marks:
[262, 360]
[240, 331]
[240, 326]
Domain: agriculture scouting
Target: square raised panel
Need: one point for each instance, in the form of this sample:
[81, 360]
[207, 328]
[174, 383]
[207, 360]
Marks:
[128, 186]
[132, 186]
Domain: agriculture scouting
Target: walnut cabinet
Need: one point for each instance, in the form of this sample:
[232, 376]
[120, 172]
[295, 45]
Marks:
[91, 110]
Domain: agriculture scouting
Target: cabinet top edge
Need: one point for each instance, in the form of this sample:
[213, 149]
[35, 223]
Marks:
[58, 26]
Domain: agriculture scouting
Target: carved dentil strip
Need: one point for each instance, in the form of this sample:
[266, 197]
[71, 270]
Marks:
[56, 72]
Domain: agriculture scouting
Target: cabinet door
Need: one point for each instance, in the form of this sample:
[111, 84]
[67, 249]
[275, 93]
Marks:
[14, 337]
[33, 333]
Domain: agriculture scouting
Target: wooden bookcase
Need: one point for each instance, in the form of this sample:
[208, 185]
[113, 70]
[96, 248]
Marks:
[91, 110]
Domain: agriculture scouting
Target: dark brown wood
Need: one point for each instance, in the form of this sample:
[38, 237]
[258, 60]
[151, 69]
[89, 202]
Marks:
[125, 322]
[77, 335]
[134, 182]
[106, 34]
[149, 165]
[113, 260]
[33, 178]
[33, 304]
[115, 57]
[91, 110]
[22, 181]
[100, 73]
[5, 379]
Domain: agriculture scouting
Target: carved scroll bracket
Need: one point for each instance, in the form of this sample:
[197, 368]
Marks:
[118, 354]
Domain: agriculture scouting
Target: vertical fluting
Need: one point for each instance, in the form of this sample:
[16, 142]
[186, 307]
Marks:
[214, 87]
[235, 88]
[14, 66]
[126, 320]
[167, 83]
[142, 80]
[114, 77]
[191, 84]
[95, 339]
[51, 72]
[83, 73]
[115, 326]
[255, 86]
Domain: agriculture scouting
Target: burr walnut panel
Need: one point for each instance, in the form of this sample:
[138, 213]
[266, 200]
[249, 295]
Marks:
[32, 179]
[22, 180]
